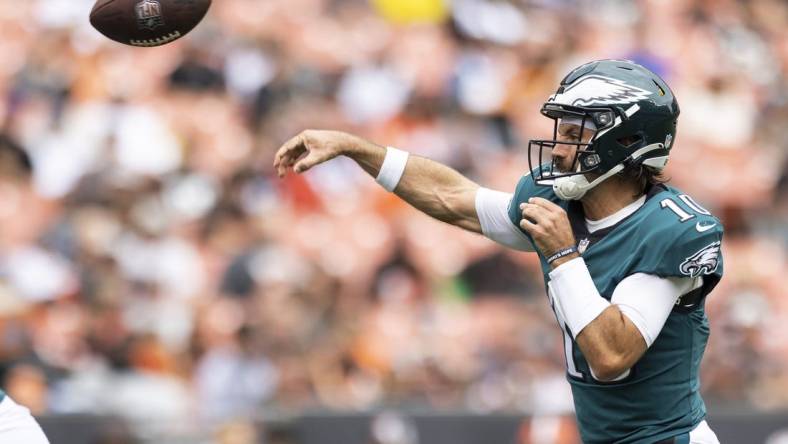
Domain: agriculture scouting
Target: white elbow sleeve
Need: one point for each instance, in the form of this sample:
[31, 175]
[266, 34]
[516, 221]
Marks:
[492, 209]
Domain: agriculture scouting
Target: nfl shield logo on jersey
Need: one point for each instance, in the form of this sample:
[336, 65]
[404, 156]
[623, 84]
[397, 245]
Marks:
[149, 14]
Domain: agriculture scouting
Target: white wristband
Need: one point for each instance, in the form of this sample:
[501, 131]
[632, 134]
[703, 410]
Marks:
[392, 168]
[576, 295]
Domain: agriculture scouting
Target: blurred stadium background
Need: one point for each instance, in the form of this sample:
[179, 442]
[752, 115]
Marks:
[160, 285]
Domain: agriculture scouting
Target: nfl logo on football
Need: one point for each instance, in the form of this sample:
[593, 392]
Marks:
[149, 14]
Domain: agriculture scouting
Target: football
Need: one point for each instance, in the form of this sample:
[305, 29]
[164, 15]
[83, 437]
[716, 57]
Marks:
[147, 22]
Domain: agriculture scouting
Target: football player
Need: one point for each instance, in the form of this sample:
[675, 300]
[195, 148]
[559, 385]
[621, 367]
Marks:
[17, 425]
[627, 260]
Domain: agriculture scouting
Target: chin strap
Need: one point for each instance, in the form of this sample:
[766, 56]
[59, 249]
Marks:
[575, 187]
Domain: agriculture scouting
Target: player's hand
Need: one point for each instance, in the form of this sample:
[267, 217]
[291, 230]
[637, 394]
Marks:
[310, 148]
[548, 225]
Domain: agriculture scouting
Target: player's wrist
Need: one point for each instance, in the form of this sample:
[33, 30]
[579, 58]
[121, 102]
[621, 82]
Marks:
[368, 155]
[561, 261]
[562, 255]
[361, 149]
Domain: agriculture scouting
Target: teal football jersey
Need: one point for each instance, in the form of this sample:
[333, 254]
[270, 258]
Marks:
[670, 235]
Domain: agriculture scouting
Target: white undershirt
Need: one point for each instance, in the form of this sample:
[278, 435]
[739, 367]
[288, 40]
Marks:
[618, 216]
[645, 299]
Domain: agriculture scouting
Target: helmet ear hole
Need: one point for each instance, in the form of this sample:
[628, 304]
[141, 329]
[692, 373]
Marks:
[630, 141]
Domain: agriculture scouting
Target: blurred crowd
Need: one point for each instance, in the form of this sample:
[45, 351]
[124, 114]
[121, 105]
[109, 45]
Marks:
[152, 265]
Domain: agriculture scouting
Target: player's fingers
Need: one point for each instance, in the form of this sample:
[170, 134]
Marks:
[292, 156]
[288, 154]
[536, 214]
[544, 203]
[310, 160]
[286, 148]
[532, 228]
[552, 212]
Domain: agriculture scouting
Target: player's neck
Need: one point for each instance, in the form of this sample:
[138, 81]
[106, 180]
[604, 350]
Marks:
[608, 198]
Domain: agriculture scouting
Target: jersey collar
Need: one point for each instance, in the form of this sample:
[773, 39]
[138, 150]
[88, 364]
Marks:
[581, 230]
[618, 216]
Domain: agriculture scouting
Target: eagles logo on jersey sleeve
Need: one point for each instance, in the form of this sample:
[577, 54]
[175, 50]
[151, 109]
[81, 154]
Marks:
[703, 262]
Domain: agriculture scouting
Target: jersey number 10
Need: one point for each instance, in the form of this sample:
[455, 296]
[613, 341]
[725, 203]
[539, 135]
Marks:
[683, 215]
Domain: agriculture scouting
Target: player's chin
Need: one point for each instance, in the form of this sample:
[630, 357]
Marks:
[560, 167]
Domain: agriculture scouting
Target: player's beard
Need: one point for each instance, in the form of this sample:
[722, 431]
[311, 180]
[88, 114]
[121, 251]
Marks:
[564, 165]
